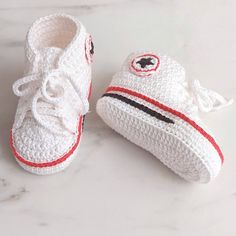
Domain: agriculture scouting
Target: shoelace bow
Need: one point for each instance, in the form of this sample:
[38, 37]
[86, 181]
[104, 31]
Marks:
[206, 99]
[40, 91]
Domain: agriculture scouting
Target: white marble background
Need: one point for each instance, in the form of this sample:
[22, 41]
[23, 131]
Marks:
[115, 188]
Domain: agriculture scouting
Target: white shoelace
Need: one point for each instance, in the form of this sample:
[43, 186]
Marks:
[208, 100]
[202, 99]
[40, 91]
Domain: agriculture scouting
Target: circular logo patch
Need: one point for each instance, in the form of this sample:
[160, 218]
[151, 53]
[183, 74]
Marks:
[145, 65]
[89, 49]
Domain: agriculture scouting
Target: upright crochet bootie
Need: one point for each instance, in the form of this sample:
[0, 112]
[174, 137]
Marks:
[150, 103]
[53, 94]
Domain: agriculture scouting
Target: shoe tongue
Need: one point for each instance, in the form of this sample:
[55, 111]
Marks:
[49, 57]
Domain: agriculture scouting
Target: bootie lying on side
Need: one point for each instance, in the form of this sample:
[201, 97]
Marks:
[150, 103]
[53, 94]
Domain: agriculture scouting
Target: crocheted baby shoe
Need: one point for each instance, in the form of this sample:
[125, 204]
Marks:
[150, 103]
[53, 94]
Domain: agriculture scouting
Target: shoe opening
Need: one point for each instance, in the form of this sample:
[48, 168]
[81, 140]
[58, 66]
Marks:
[52, 31]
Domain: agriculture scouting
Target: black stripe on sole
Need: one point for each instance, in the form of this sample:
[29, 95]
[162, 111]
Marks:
[140, 107]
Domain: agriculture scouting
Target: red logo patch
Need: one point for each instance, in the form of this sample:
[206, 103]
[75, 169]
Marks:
[89, 49]
[145, 65]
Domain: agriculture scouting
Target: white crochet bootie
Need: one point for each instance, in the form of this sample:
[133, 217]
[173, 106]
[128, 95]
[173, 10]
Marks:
[53, 94]
[150, 103]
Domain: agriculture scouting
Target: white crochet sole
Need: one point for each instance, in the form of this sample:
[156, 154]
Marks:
[179, 146]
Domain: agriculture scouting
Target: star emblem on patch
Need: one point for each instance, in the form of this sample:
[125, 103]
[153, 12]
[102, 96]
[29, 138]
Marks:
[145, 64]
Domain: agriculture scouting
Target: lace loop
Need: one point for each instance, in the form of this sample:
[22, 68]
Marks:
[24, 81]
[58, 92]
[27, 85]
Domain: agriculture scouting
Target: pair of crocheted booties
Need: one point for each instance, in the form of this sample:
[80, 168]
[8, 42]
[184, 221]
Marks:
[148, 102]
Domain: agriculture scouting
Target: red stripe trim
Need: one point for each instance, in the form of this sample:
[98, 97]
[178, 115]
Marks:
[172, 111]
[53, 163]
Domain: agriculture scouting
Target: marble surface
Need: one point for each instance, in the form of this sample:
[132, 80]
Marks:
[114, 188]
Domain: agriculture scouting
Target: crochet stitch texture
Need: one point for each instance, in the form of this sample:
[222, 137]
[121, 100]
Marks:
[151, 104]
[53, 94]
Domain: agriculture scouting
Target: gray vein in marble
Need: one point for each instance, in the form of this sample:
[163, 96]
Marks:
[84, 7]
[15, 196]
[12, 44]
[43, 224]
[3, 182]
[159, 226]
[55, 7]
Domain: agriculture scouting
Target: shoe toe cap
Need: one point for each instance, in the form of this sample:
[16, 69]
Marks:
[36, 144]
